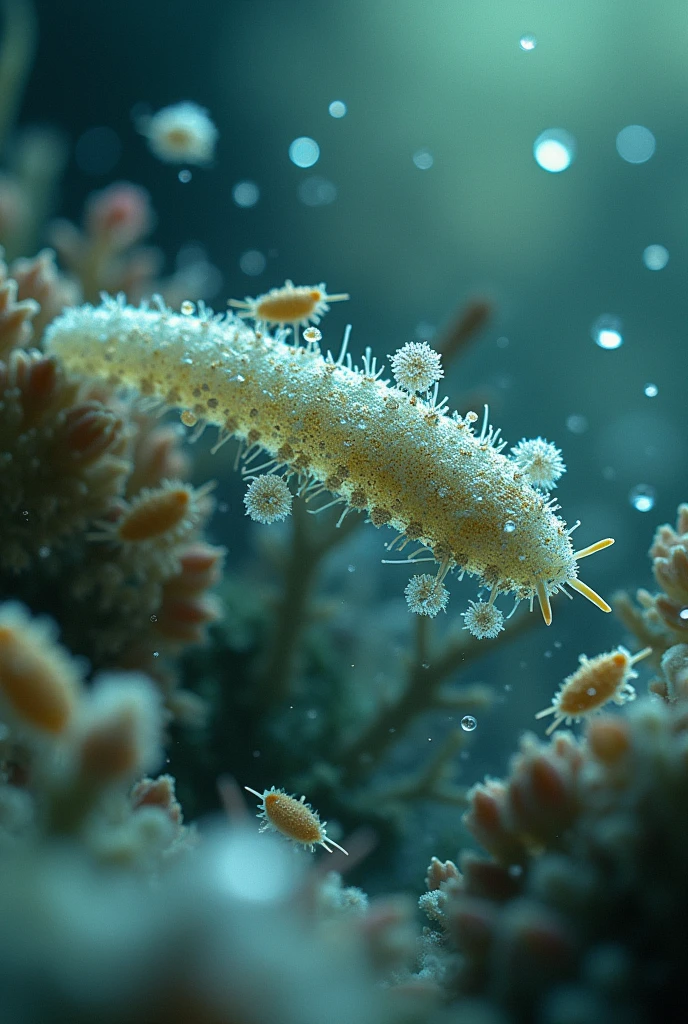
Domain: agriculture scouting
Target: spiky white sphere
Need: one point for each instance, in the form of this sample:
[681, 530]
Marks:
[416, 367]
[268, 499]
[540, 461]
[425, 595]
[483, 620]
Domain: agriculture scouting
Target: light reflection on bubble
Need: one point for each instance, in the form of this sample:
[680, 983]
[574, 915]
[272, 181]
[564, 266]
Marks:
[527, 42]
[635, 144]
[423, 159]
[304, 152]
[337, 108]
[606, 331]
[655, 257]
[554, 150]
[642, 498]
[246, 193]
[317, 191]
[252, 262]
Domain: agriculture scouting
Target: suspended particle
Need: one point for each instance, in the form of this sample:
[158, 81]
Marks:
[527, 43]
[635, 144]
[337, 108]
[292, 818]
[606, 331]
[182, 133]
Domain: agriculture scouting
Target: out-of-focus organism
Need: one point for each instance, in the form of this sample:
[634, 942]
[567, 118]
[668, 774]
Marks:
[180, 134]
[660, 620]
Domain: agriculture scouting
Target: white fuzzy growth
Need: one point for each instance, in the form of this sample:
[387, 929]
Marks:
[483, 620]
[425, 595]
[540, 461]
[416, 367]
[412, 467]
[268, 499]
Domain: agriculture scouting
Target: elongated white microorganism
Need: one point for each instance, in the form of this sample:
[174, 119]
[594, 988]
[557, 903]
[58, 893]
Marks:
[343, 430]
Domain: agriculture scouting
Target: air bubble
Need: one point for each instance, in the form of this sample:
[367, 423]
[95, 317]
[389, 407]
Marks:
[655, 257]
[468, 723]
[554, 150]
[423, 159]
[304, 152]
[509, 526]
[527, 43]
[683, 614]
[651, 390]
[337, 108]
[642, 498]
[606, 331]
[184, 176]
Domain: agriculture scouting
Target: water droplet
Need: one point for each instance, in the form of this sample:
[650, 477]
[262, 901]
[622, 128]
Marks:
[635, 144]
[423, 159]
[509, 526]
[468, 723]
[185, 176]
[655, 257]
[246, 193]
[337, 108]
[642, 498]
[554, 150]
[252, 262]
[154, 618]
[304, 152]
[527, 42]
[606, 331]
[651, 390]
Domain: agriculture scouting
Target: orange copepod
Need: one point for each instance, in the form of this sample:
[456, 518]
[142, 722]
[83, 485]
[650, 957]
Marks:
[293, 818]
[597, 681]
[288, 306]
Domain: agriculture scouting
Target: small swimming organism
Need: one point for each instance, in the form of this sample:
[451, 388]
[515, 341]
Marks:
[293, 305]
[597, 681]
[293, 818]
